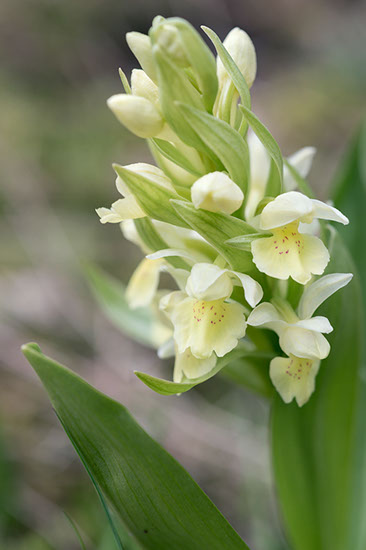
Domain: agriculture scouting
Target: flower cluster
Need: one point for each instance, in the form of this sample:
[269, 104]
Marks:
[232, 221]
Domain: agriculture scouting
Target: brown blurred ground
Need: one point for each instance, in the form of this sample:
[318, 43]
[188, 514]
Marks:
[59, 63]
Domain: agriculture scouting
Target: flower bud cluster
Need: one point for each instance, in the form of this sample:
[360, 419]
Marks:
[221, 212]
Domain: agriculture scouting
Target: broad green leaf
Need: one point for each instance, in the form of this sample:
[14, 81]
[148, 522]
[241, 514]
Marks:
[231, 67]
[139, 324]
[167, 387]
[217, 228]
[317, 449]
[150, 492]
[200, 58]
[169, 151]
[152, 197]
[223, 140]
[266, 138]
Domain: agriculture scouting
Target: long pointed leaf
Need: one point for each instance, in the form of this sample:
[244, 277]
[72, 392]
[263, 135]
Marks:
[152, 494]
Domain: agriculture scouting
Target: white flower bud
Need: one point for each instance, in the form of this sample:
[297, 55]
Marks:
[138, 114]
[140, 45]
[148, 171]
[242, 50]
[216, 192]
[143, 86]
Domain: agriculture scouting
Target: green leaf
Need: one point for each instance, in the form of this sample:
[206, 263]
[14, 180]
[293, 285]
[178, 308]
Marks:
[169, 151]
[152, 197]
[138, 324]
[266, 138]
[231, 67]
[318, 450]
[223, 140]
[217, 228]
[274, 183]
[167, 387]
[150, 492]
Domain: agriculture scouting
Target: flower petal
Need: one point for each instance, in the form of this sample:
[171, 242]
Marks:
[253, 291]
[188, 366]
[290, 254]
[324, 211]
[266, 315]
[286, 208]
[303, 342]
[316, 293]
[209, 282]
[207, 327]
[317, 324]
[143, 284]
[301, 161]
[294, 377]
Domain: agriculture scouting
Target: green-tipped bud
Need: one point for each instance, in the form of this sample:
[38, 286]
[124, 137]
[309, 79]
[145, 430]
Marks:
[216, 192]
[241, 49]
[140, 45]
[138, 114]
[182, 45]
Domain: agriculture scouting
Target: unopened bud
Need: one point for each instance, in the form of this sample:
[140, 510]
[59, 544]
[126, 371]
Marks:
[143, 86]
[169, 39]
[138, 114]
[241, 49]
[216, 192]
[140, 45]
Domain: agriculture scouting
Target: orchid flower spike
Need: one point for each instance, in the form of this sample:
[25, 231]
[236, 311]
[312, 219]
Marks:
[289, 253]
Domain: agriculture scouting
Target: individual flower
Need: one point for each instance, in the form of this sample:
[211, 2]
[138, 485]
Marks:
[128, 208]
[241, 49]
[216, 192]
[300, 337]
[203, 318]
[186, 365]
[288, 252]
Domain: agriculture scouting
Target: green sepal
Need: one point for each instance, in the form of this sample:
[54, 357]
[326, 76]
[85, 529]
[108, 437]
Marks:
[152, 197]
[217, 228]
[266, 138]
[231, 67]
[226, 143]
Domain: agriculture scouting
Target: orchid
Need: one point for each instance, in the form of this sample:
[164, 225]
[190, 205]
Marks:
[288, 252]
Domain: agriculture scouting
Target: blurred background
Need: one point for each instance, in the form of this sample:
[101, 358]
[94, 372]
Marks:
[59, 61]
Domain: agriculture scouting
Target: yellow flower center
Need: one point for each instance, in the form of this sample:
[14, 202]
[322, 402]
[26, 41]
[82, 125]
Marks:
[298, 367]
[287, 240]
[212, 313]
